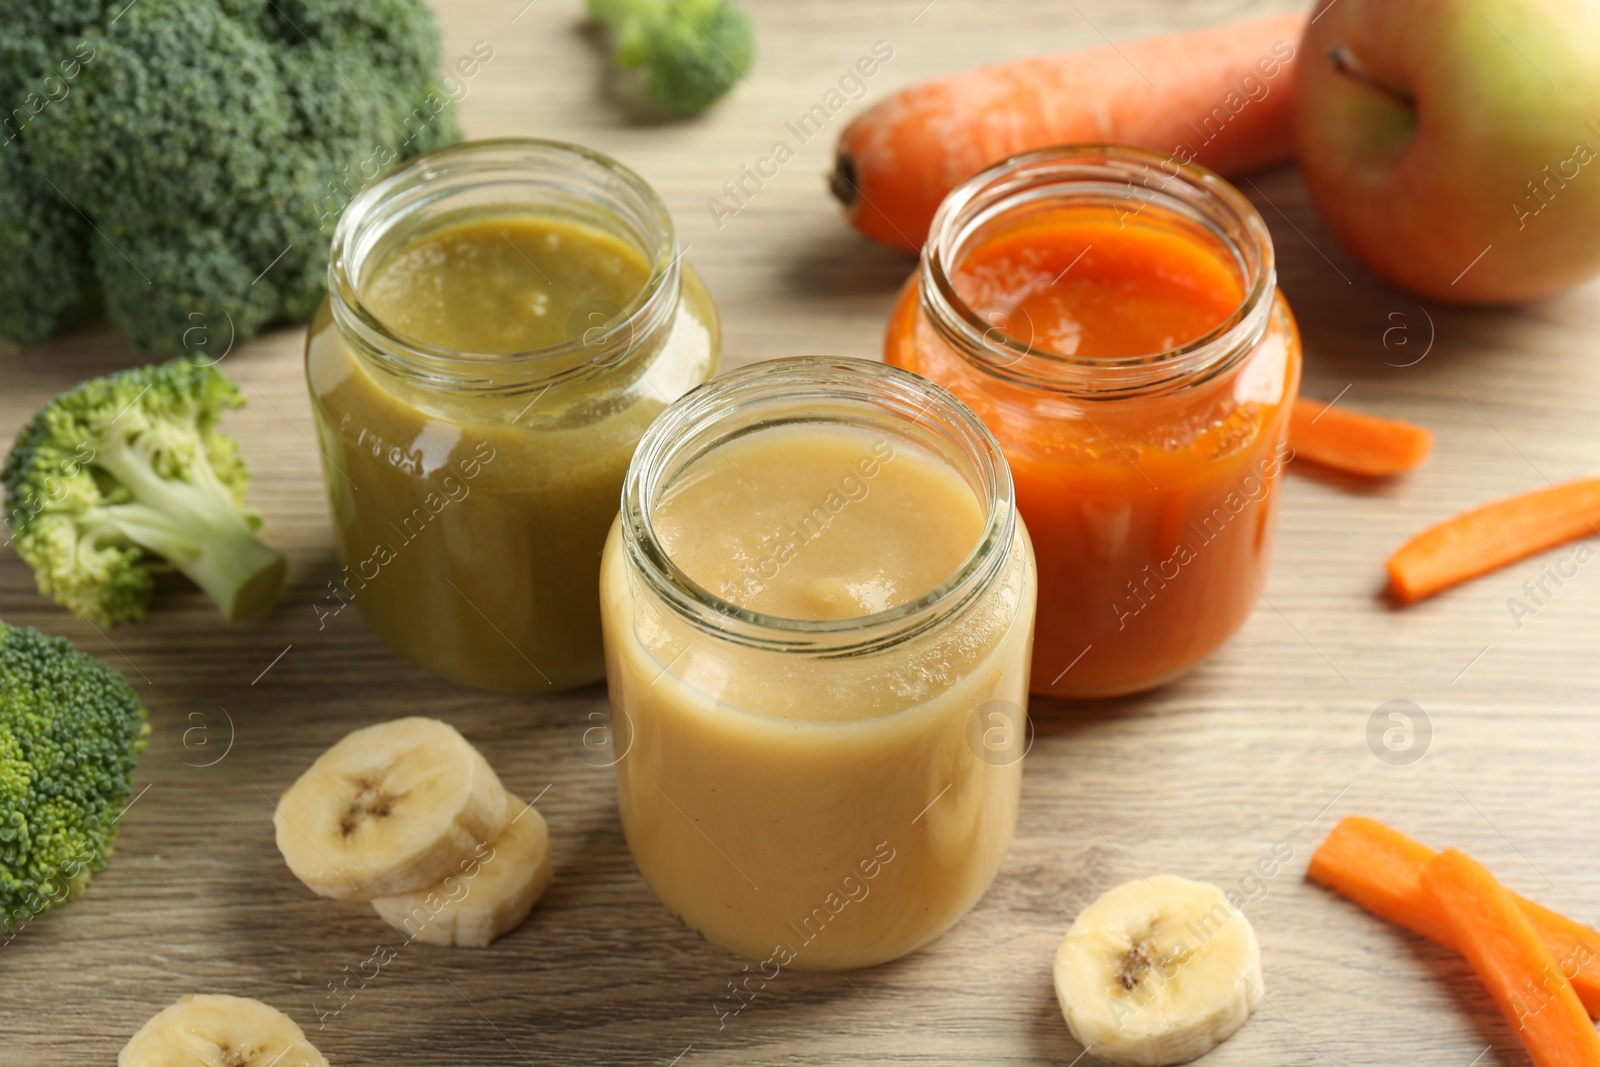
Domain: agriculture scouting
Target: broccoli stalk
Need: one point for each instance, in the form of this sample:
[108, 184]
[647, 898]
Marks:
[189, 519]
[690, 51]
[129, 470]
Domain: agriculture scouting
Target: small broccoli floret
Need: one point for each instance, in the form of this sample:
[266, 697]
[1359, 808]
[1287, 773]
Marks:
[71, 730]
[691, 51]
[128, 474]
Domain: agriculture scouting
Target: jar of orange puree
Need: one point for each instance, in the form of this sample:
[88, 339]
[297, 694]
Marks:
[1114, 317]
[818, 605]
[503, 320]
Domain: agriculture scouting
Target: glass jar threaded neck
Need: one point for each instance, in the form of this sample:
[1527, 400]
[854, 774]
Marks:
[818, 389]
[1127, 183]
[479, 179]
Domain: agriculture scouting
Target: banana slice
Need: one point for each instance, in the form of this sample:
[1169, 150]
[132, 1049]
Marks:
[1158, 972]
[490, 892]
[389, 809]
[218, 1031]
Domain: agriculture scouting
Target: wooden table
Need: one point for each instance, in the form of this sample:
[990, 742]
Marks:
[1267, 742]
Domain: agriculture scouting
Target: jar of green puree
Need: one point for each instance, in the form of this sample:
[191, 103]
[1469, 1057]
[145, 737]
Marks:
[504, 318]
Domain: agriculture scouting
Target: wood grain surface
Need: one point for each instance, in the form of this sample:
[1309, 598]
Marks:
[1266, 742]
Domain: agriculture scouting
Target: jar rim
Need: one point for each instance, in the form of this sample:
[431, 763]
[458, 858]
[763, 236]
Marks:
[712, 410]
[1186, 188]
[364, 222]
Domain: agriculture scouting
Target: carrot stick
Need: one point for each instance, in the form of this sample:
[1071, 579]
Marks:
[1513, 963]
[1377, 867]
[1219, 97]
[1489, 537]
[1380, 869]
[1355, 443]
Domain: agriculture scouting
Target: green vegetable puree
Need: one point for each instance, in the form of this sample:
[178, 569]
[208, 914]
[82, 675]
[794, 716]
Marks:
[508, 284]
[470, 525]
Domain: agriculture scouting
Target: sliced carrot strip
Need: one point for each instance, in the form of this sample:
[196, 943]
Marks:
[1489, 537]
[1355, 443]
[1379, 868]
[1376, 867]
[1494, 934]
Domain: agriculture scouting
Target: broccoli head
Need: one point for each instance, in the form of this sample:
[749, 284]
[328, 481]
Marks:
[127, 475]
[690, 51]
[71, 730]
[47, 274]
[186, 159]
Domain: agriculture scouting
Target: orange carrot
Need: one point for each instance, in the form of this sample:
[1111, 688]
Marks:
[1513, 963]
[1355, 443]
[1377, 867]
[1219, 97]
[1488, 537]
[1380, 869]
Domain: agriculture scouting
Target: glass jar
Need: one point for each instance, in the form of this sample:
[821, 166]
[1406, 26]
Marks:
[472, 491]
[819, 793]
[1148, 478]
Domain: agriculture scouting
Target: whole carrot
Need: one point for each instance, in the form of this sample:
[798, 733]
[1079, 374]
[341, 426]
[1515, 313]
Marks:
[1219, 97]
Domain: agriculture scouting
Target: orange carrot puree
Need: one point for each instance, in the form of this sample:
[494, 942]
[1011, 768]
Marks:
[1087, 284]
[1151, 514]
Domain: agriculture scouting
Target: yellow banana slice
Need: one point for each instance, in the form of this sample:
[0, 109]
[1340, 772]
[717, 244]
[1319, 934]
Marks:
[389, 809]
[1157, 972]
[218, 1031]
[490, 892]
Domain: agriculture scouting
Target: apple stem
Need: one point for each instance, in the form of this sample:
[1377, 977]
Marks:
[1345, 62]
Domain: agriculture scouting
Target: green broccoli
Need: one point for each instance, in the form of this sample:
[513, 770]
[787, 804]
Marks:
[691, 51]
[71, 730]
[124, 472]
[186, 159]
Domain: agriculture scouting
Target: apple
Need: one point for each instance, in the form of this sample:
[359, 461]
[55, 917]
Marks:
[1454, 145]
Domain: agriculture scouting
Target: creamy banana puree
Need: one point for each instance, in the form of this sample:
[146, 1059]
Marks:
[806, 809]
[830, 524]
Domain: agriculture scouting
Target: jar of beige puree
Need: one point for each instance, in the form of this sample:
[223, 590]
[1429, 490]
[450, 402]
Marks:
[818, 605]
